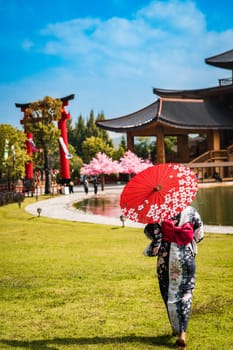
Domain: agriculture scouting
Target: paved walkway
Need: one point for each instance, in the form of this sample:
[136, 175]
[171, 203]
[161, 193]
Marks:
[61, 207]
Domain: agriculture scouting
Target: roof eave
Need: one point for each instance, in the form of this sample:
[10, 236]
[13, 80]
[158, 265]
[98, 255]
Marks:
[196, 93]
[222, 60]
[121, 129]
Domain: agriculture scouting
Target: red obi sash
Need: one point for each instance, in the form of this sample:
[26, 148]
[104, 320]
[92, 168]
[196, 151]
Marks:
[177, 234]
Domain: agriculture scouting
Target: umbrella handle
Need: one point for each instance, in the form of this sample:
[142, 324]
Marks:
[157, 188]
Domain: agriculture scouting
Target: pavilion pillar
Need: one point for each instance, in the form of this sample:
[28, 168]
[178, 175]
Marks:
[216, 140]
[130, 142]
[213, 140]
[183, 148]
[209, 140]
[216, 147]
[160, 147]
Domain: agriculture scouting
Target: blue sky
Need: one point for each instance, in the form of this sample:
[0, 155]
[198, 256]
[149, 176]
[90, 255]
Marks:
[109, 53]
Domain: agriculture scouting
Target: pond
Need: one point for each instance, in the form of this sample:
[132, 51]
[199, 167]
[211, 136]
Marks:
[214, 205]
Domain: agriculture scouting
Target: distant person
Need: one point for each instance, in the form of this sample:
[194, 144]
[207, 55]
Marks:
[71, 187]
[85, 184]
[95, 185]
[175, 243]
[217, 177]
[59, 189]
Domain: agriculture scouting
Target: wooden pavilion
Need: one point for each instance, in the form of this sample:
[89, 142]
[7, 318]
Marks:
[207, 112]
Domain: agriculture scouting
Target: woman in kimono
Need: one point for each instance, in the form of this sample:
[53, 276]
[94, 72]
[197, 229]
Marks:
[175, 243]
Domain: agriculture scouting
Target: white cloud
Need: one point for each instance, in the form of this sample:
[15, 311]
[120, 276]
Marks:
[69, 38]
[181, 15]
[162, 35]
[112, 65]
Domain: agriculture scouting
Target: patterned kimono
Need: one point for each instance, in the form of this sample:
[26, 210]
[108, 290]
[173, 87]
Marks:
[176, 266]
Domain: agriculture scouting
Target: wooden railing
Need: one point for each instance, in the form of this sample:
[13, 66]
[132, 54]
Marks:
[214, 163]
[230, 149]
[210, 156]
[226, 81]
[213, 171]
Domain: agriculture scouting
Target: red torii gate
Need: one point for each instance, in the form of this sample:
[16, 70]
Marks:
[63, 144]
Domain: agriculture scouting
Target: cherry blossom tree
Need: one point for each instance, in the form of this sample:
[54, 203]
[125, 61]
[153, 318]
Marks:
[100, 165]
[130, 163]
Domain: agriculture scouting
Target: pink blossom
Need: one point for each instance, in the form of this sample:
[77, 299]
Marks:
[101, 164]
[130, 163]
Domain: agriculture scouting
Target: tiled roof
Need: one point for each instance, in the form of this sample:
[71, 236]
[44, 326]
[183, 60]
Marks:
[223, 60]
[196, 93]
[196, 114]
[178, 113]
[131, 121]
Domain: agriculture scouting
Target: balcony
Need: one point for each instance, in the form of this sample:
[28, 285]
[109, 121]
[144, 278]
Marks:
[225, 81]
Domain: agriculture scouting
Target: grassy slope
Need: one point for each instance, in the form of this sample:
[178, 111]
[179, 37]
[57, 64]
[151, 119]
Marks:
[67, 285]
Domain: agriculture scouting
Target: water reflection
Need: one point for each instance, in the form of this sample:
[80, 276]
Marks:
[101, 206]
[214, 205]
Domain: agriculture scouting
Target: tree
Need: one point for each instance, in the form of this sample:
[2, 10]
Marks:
[143, 147]
[100, 165]
[13, 153]
[76, 163]
[91, 128]
[118, 153]
[84, 135]
[170, 142]
[39, 120]
[103, 133]
[123, 142]
[77, 135]
[70, 132]
[130, 163]
[92, 145]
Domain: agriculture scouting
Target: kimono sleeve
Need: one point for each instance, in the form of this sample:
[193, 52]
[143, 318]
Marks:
[153, 232]
[198, 227]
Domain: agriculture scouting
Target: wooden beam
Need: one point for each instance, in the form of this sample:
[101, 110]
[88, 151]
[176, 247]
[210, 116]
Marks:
[130, 141]
[210, 164]
[160, 147]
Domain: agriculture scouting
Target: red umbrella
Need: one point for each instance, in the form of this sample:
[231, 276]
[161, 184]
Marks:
[158, 193]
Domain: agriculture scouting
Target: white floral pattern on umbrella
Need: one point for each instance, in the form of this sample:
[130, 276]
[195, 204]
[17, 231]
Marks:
[158, 193]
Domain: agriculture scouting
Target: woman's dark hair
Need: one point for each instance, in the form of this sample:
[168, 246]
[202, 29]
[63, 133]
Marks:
[149, 230]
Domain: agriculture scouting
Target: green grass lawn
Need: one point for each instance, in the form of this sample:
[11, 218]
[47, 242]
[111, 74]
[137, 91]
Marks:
[69, 285]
